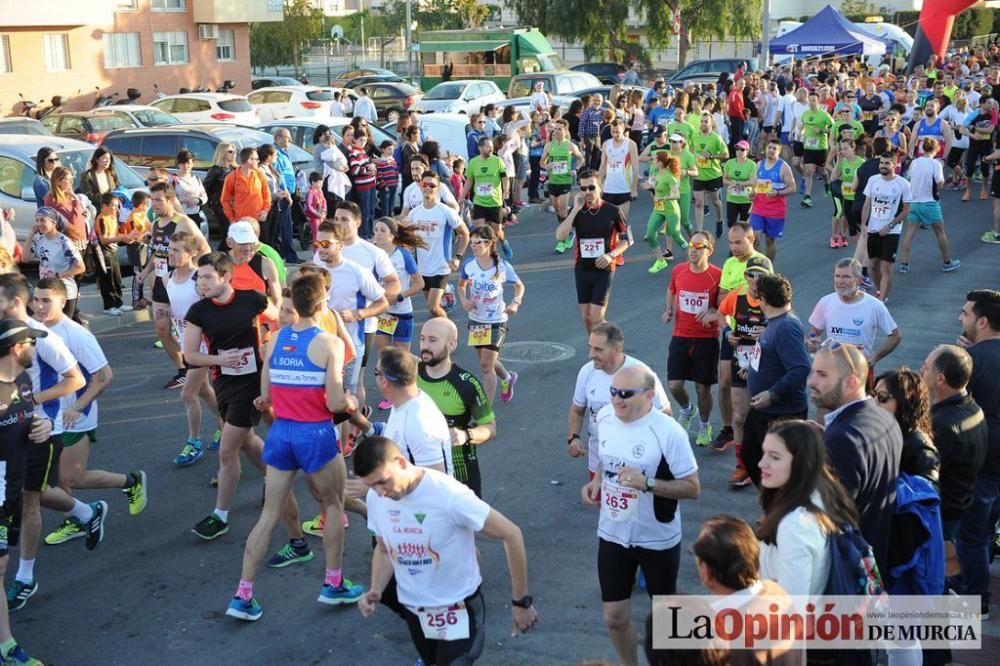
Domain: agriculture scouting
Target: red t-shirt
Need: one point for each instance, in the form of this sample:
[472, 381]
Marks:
[695, 293]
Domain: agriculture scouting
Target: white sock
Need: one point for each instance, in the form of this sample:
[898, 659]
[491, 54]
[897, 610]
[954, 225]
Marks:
[222, 515]
[81, 512]
[705, 425]
[687, 409]
[25, 571]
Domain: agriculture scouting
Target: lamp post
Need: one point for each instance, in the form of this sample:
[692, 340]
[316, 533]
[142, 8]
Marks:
[765, 42]
[409, 43]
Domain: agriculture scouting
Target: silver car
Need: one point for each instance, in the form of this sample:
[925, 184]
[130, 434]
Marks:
[466, 96]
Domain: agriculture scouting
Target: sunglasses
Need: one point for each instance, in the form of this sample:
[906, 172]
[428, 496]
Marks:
[480, 241]
[699, 246]
[751, 275]
[324, 244]
[429, 186]
[588, 188]
[883, 397]
[388, 377]
[624, 394]
[52, 160]
[837, 345]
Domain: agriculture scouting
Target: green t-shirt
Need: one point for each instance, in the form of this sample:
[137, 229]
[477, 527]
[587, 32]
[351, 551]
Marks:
[816, 127]
[665, 184]
[559, 166]
[681, 127]
[739, 173]
[856, 125]
[847, 169]
[732, 273]
[711, 143]
[688, 161]
[654, 167]
[485, 175]
[279, 263]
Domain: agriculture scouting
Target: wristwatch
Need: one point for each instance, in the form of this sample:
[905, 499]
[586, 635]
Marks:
[571, 438]
[650, 483]
[524, 602]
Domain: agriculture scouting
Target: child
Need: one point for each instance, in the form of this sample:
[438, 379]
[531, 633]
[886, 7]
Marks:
[386, 178]
[458, 185]
[109, 271]
[136, 227]
[315, 202]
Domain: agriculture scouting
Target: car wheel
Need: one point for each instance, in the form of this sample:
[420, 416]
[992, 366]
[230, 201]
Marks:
[392, 115]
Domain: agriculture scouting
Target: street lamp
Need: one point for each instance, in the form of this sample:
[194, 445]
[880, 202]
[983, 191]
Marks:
[409, 43]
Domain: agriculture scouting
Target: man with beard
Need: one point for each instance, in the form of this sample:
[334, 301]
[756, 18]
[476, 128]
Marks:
[460, 397]
[887, 204]
[863, 441]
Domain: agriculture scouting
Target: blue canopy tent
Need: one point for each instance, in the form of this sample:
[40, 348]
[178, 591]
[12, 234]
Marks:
[826, 33]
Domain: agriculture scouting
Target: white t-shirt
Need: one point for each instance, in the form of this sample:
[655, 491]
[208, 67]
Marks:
[88, 353]
[539, 99]
[405, 265]
[353, 287]
[786, 107]
[486, 292]
[420, 430]
[885, 197]
[853, 323]
[627, 516]
[430, 536]
[53, 359]
[800, 560]
[798, 108]
[434, 225]
[413, 197]
[956, 118]
[593, 391]
[374, 258]
[924, 172]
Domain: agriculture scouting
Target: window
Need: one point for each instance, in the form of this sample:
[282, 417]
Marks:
[189, 105]
[126, 148]
[167, 5]
[170, 48]
[225, 46]
[16, 178]
[5, 55]
[126, 5]
[121, 49]
[55, 52]
[203, 149]
[72, 126]
[159, 150]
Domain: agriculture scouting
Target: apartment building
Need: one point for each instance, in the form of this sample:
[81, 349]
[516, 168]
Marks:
[67, 47]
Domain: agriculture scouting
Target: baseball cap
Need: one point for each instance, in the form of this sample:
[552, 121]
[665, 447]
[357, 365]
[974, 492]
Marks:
[759, 263]
[13, 331]
[241, 232]
[742, 144]
[677, 137]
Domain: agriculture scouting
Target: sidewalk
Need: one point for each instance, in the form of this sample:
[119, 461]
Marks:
[92, 307]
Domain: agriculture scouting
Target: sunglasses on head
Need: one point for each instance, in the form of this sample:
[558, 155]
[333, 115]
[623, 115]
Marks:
[837, 345]
[588, 188]
[699, 246]
[324, 244]
[624, 394]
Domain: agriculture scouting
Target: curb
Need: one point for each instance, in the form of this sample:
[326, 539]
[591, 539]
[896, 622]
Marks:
[103, 323]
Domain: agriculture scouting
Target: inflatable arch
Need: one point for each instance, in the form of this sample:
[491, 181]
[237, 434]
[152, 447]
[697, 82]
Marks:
[934, 29]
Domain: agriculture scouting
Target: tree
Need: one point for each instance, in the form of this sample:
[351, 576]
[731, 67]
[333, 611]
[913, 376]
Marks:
[429, 14]
[857, 8]
[705, 19]
[275, 44]
[473, 14]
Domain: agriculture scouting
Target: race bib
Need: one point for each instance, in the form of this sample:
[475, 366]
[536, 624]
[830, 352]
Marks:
[591, 248]
[703, 162]
[765, 187]
[160, 267]
[484, 190]
[480, 335]
[662, 121]
[741, 190]
[846, 190]
[620, 503]
[811, 143]
[660, 205]
[693, 302]
[755, 357]
[247, 366]
[616, 166]
[444, 623]
[558, 168]
[387, 324]
[867, 115]
[746, 355]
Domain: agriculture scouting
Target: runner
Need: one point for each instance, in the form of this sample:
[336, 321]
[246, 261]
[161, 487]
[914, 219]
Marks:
[78, 411]
[887, 204]
[460, 397]
[395, 326]
[19, 430]
[709, 150]
[737, 176]
[815, 126]
[926, 179]
[666, 211]
[480, 288]
[607, 356]
[413, 195]
[693, 297]
[602, 237]
[487, 185]
[689, 169]
[646, 465]
[798, 107]
[411, 508]
[773, 183]
[435, 223]
[226, 320]
[619, 172]
[557, 160]
[980, 132]
[842, 186]
[302, 380]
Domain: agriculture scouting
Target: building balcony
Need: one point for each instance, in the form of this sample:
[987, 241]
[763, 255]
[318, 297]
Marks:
[237, 11]
[56, 13]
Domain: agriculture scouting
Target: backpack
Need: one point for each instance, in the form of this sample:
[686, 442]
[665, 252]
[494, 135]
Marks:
[853, 570]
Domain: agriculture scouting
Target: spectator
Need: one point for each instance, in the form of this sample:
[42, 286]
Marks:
[362, 172]
[269, 225]
[286, 185]
[490, 116]
[100, 176]
[408, 150]
[190, 192]
[322, 139]
[223, 163]
[863, 443]
[386, 178]
[46, 160]
[903, 393]
[589, 132]
[365, 107]
[245, 192]
[56, 253]
[109, 274]
[477, 131]
[74, 216]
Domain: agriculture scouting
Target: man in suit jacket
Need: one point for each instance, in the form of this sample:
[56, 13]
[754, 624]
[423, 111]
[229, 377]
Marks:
[863, 442]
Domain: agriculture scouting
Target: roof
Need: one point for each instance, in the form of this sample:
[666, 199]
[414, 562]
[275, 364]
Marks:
[27, 145]
[131, 107]
[533, 42]
[210, 96]
[825, 33]
[292, 89]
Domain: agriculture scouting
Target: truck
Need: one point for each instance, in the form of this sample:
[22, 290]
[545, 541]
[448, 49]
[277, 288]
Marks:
[492, 54]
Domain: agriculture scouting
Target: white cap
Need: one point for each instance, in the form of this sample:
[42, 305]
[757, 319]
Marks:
[241, 232]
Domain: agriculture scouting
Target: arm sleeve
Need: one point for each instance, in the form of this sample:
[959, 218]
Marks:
[885, 321]
[226, 197]
[478, 403]
[510, 273]
[432, 438]
[816, 319]
[728, 305]
[580, 390]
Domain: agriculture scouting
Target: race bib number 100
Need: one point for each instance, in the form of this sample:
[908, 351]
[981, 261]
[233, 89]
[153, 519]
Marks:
[693, 302]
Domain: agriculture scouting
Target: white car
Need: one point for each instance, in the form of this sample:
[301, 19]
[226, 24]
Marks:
[208, 108]
[459, 97]
[448, 129]
[145, 116]
[292, 102]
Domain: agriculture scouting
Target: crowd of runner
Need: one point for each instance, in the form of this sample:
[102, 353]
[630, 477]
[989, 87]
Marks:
[251, 340]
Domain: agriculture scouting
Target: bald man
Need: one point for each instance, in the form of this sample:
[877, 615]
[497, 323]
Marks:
[460, 397]
[863, 441]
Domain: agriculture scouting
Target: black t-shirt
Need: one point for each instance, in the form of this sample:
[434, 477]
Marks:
[981, 125]
[869, 115]
[231, 325]
[985, 390]
[17, 406]
[864, 172]
[750, 320]
[598, 231]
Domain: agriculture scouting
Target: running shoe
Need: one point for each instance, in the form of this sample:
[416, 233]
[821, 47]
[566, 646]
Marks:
[843, 241]
[215, 481]
[561, 247]
[551, 209]
[686, 418]
[807, 202]
[244, 610]
[723, 440]
[70, 529]
[315, 526]
[18, 594]
[18, 657]
[177, 381]
[904, 268]
[967, 196]
[991, 237]
[826, 192]
[347, 593]
[384, 404]
[216, 440]
[535, 200]
[126, 308]
[739, 479]
[978, 177]
[95, 526]
[158, 344]
[289, 554]
[136, 495]
[834, 242]
[950, 266]
[211, 527]
[704, 437]
[114, 312]
[507, 386]
[866, 282]
[707, 210]
[949, 184]
[658, 265]
[190, 454]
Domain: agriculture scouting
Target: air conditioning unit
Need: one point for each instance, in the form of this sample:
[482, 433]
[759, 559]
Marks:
[208, 31]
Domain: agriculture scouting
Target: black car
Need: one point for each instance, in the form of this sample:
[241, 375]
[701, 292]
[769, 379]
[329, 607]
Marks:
[391, 99]
[89, 126]
[373, 78]
[608, 72]
[257, 82]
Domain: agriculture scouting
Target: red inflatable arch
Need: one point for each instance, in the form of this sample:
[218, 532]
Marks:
[934, 29]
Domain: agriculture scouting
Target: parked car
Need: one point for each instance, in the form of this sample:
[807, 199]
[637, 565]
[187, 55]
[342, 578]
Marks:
[558, 83]
[392, 98]
[145, 116]
[341, 78]
[523, 104]
[258, 82]
[608, 72]
[209, 107]
[466, 96]
[292, 102]
[89, 126]
[302, 130]
[605, 92]
[448, 129]
[707, 71]
[22, 125]
[358, 81]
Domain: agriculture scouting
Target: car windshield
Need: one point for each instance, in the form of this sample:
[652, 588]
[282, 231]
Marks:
[235, 105]
[111, 122]
[320, 95]
[244, 137]
[446, 91]
[155, 118]
[78, 160]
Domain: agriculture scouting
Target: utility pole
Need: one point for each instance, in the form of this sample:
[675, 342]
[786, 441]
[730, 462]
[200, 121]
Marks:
[409, 43]
[765, 40]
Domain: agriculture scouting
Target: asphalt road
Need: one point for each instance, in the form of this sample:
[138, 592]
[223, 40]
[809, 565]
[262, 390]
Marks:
[154, 593]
